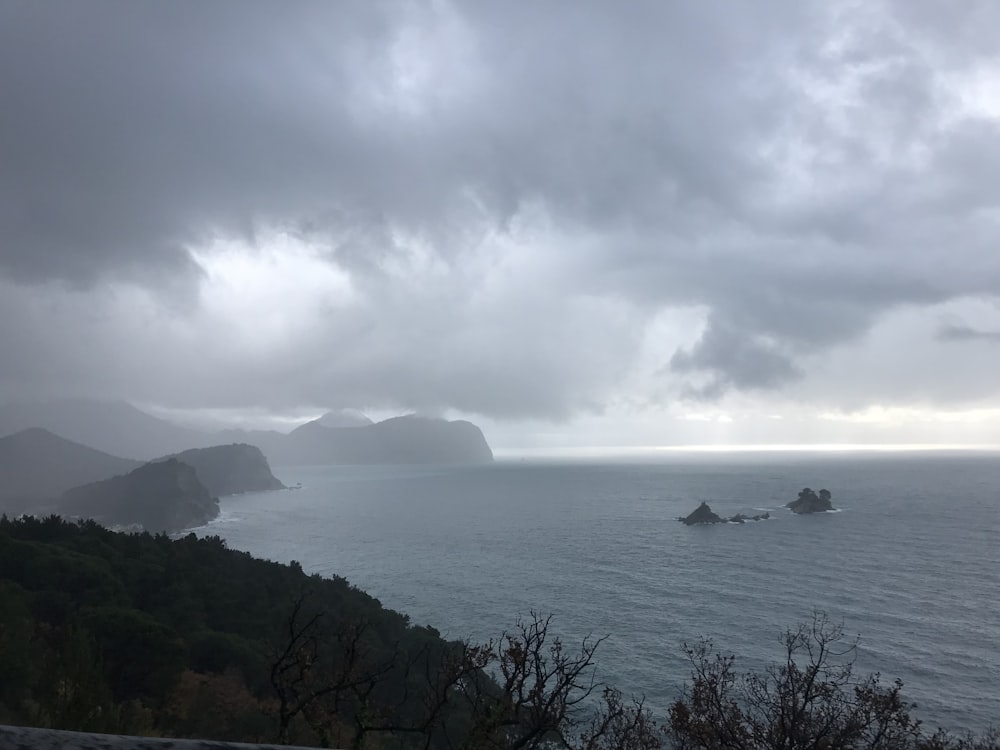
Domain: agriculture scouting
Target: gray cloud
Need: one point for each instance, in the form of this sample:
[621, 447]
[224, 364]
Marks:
[735, 360]
[130, 132]
[953, 332]
[512, 191]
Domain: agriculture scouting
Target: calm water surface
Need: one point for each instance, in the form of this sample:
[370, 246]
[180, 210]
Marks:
[911, 562]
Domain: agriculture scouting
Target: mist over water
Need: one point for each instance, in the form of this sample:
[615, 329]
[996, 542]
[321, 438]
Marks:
[911, 563]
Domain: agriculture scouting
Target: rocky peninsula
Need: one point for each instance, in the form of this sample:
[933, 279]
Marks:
[163, 496]
[231, 469]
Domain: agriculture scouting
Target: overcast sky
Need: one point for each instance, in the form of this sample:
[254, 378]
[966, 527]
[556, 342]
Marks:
[576, 223]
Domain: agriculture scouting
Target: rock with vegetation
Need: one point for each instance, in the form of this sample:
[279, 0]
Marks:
[809, 501]
[231, 469]
[163, 496]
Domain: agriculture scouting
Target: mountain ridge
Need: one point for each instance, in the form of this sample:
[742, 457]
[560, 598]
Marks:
[35, 463]
[120, 429]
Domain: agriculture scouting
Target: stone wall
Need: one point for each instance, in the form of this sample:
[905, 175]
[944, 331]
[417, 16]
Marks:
[26, 738]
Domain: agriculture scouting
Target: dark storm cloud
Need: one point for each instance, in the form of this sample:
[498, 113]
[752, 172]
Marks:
[130, 130]
[795, 170]
[744, 362]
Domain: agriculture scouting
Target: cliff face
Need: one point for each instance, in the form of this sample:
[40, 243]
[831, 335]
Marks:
[231, 469]
[163, 496]
[422, 440]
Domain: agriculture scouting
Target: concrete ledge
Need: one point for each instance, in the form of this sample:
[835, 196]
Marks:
[28, 738]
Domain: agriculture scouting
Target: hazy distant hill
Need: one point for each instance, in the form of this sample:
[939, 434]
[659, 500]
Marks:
[401, 440]
[231, 469]
[344, 437]
[159, 496]
[35, 463]
[276, 445]
[111, 426]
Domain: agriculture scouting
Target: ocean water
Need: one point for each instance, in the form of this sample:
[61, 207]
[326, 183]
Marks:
[911, 562]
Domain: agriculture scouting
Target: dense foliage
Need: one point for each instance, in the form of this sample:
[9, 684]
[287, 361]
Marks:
[142, 634]
[139, 633]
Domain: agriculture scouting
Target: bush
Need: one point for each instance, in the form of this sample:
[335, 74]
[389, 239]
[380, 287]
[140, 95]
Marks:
[809, 700]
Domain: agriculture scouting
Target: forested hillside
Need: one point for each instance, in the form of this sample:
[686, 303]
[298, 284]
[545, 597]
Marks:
[140, 633]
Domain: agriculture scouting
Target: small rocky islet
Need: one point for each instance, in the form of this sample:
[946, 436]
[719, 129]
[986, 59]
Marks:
[807, 502]
[703, 514]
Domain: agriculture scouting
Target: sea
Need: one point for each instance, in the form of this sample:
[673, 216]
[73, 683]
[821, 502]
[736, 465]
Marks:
[909, 562]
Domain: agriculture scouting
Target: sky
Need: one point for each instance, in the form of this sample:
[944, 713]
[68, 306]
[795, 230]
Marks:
[579, 224]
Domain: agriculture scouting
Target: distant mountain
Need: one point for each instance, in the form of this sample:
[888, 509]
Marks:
[231, 469]
[401, 440]
[35, 463]
[159, 496]
[344, 437]
[114, 427]
[344, 418]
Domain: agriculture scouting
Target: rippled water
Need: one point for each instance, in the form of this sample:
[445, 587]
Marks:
[911, 563]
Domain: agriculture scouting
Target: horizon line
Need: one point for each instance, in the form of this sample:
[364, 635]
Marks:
[653, 450]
